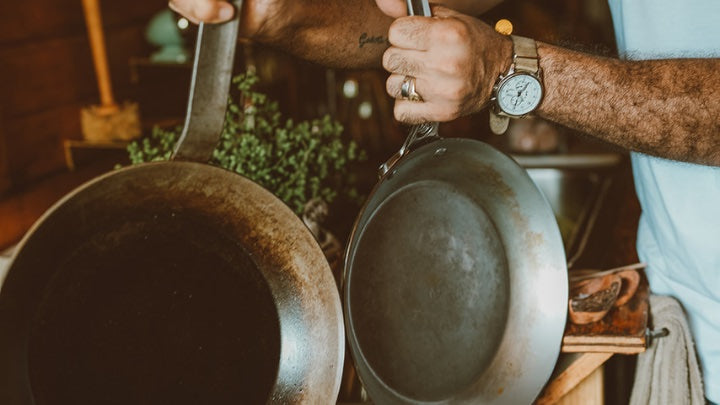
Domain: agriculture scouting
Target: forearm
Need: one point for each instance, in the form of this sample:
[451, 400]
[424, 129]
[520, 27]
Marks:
[351, 33]
[667, 108]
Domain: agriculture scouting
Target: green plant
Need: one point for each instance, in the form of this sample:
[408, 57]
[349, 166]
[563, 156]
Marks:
[295, 161]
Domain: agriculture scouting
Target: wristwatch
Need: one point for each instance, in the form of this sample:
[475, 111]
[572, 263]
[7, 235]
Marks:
[517, 92]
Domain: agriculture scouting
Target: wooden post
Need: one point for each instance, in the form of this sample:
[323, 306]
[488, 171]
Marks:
[571, 370]
[93, 21]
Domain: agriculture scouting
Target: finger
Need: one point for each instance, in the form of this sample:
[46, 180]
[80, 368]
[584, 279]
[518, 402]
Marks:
[393, 8]
[411, 112]
[209, 11]
[403, 61]
[443, 12]
[410, 33]
[394, 83]
[176, 9]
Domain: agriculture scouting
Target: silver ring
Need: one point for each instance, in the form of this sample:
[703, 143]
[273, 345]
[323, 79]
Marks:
[407, 90]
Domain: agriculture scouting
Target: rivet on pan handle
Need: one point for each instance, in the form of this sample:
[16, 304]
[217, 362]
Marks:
[418, 133]
[209, 88]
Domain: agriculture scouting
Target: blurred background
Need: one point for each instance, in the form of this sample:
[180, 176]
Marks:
[48, 78]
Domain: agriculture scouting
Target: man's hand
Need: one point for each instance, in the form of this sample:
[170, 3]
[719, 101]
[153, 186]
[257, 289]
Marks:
[209, 11]
[455, 59]
[264, 20]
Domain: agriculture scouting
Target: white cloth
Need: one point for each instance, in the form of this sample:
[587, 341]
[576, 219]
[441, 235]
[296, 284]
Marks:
[668, 372]
[679, 231]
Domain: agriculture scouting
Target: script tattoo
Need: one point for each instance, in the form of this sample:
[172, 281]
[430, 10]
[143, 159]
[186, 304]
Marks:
[367, 39]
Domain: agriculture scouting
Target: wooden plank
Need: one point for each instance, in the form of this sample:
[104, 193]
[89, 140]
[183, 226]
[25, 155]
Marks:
[590, 391]
[622, 330]
[43, 19]
[48, 83]
[570, 371]
[44, 74]
[34, 142]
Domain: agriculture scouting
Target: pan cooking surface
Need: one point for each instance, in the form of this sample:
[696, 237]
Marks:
[429, 308]
[456, 237]
[161, 310]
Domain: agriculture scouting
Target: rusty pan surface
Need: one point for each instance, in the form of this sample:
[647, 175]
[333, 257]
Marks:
[170, 282]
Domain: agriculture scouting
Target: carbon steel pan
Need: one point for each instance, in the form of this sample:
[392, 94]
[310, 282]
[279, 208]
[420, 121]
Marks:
[455, 287]
[172, 282]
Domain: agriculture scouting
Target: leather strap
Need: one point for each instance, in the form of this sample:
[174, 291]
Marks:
[525, 54]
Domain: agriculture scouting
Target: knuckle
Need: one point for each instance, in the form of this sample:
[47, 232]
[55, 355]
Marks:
[452, 31]
[395, 62]
[391, 88]
[403, 114]
[397, 30]
[399, 113]
[389, 60]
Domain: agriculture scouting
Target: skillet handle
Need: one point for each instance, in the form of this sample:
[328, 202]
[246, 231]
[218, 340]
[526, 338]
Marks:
[419, 7]
[419, 134]
[209, 88]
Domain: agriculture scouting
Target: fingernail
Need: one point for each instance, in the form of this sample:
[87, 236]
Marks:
[226, 13]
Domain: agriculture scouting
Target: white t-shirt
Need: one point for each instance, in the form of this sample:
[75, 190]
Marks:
[679, 231]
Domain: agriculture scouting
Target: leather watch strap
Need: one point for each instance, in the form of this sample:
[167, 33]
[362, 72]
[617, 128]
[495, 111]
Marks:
[525, 54]
[498, 123]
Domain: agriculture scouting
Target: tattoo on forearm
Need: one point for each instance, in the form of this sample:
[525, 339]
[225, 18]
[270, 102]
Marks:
[367, 39]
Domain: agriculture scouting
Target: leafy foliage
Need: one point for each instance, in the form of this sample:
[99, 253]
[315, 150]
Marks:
[295, 161]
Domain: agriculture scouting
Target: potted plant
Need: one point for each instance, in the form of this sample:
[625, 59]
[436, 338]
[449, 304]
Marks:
[297, 161]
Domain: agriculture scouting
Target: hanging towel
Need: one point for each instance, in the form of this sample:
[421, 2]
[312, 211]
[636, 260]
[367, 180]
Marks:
[668, 372]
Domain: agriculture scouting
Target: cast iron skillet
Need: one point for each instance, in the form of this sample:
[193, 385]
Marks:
[455, 283]
[174, 282]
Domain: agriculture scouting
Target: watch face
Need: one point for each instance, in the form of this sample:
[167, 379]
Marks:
[519, 94]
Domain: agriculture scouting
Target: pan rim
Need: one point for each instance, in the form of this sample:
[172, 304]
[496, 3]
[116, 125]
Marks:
[374, 385]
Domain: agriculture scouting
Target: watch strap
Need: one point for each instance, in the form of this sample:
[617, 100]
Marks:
[498, 123]
[525, 55]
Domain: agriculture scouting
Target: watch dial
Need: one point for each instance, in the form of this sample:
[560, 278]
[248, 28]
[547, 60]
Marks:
[519, 94]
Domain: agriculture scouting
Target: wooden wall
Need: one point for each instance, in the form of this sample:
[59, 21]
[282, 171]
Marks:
[46, 77]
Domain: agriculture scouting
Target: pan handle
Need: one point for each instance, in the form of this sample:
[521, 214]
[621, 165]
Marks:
[419, 134]
[419, 7]
[209, 88]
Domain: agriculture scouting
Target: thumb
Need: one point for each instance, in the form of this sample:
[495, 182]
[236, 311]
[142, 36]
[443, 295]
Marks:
[393, 8]
[442, 11]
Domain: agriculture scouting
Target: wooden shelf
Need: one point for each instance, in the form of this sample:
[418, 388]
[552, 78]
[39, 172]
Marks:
[623, 330]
